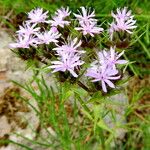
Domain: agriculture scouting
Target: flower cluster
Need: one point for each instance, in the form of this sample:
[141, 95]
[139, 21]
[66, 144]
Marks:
[104, 69]
[69, 57]
[58, 20]
[87, 22]
[123, 21]
[48, 37]
[69, 52]
[37, 16]
[29, 34]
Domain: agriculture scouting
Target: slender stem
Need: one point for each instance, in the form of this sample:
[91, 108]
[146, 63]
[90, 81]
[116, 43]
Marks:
[83, 86]
[41, 60]
[83, 104]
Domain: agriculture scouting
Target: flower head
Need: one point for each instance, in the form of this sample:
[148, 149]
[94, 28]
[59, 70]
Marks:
[111, 58]
[127, 26]
[103, 74]
[67, 62]
[86, 16]
[104, 68]
[122, 14]
[87, 22]
[89, 28]
[58, 21]
[62, 12]
[24, 42]
[48, 37]
[70, 47]
[21, 42]
[28, 29]
[37, 16]
[59, 18]
[123, 22]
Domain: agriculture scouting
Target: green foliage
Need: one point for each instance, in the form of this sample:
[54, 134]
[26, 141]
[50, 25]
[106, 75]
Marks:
[93, 130]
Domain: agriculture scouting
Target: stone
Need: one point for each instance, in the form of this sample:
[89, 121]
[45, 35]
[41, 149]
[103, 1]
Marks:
[5, 127]
[4, 50]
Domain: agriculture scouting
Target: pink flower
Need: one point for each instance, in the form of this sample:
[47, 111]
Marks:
[48, 36]
[28, 29]
[67, 62]
[24, 42]
[58, 21]
[59, 18]
[70, 47]
[111, 58]
[123, 22]
[86, 16]
[87, 22]
[122, 14]
[125, 25]
[37, 16]
[89, 28]
[104, 69]
[21, 42]
[62, 12]
[103, 74]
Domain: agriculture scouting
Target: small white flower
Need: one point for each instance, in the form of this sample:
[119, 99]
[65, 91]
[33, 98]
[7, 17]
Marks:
[28, 29]
[86, 16]
[58, 21]
[123, 21]
[62, 12]
[71, 46]
[48, 36]
[37, 16]
[67, 62]
[89, 28]
[24, 42]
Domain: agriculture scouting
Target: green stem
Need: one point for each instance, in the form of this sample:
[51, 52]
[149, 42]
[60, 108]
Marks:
[83, 104]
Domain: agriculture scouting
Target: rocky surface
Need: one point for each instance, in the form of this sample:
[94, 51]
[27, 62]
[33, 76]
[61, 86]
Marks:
[11, 67]
[16, 118]
[13, 117]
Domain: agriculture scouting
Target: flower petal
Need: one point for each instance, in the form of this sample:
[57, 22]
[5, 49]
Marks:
[110, 83]
[104, 86]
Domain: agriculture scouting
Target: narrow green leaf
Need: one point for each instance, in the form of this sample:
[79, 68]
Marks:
[102, 125]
